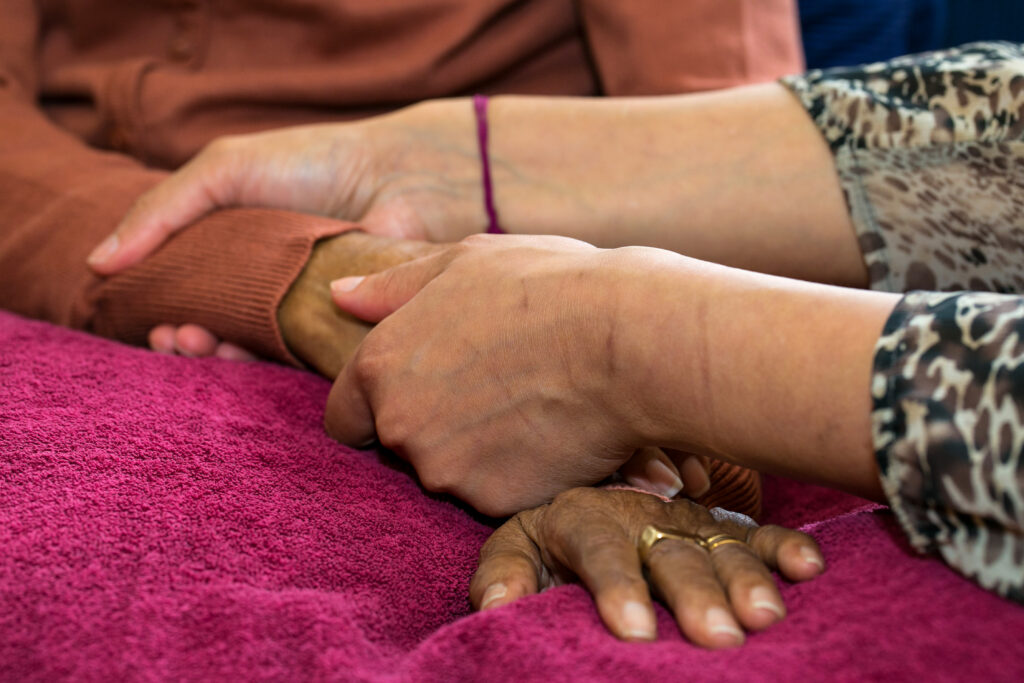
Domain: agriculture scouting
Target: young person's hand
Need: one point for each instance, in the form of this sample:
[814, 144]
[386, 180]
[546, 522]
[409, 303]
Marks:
[413, 174]
[507, 369]
[717, 586]
[521, 345]
[739, 177]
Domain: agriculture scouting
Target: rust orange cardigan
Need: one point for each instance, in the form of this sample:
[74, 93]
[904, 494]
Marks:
[100, 98]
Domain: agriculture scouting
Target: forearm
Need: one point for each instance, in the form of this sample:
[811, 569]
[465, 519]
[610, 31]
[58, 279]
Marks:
[770, 373]
[741, 177]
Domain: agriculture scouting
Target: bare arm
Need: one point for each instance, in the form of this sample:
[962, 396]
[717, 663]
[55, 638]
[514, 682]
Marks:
[775, 373]
[741, 177]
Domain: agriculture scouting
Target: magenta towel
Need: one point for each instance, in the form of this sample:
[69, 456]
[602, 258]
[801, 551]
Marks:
[167, 518]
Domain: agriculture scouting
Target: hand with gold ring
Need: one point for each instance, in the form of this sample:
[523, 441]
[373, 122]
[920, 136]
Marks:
[711, 568]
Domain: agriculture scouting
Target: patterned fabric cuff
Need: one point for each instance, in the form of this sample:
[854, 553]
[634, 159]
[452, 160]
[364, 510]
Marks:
[948, 430]
[927, 149]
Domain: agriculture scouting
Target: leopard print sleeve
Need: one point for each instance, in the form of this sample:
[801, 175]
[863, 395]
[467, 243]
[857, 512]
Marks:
[948, 428]
[930, 154]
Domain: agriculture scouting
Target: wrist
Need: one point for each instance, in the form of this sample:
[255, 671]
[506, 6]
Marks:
[765, 372]
[427, 160]
[665, 354]
[312, 326]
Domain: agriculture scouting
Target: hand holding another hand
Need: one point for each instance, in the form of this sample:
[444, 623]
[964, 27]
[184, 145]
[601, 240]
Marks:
[414, 173]
[503, 368]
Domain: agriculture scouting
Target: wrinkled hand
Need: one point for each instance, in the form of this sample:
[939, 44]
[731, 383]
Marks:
[498, 369]
[312, 326]
[414, 173]
[593, 536]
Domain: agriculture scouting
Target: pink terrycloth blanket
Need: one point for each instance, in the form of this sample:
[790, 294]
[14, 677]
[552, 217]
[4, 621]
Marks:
[166, 518]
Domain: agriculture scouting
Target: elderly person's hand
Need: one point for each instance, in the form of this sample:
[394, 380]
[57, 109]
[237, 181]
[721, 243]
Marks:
[711, 568]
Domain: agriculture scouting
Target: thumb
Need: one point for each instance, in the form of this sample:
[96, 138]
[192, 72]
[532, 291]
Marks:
[206, 183]
[375, 297]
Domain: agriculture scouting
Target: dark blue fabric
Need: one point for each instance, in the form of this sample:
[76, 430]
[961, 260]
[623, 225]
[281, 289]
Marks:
[848, 32]
[971, 20]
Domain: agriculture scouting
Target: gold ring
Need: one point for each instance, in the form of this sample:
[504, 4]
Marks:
[652, 535]
[718, 540]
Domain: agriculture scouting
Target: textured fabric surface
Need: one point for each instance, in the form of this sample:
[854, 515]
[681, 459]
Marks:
[168, 518]
[947, 389]
[929, 150]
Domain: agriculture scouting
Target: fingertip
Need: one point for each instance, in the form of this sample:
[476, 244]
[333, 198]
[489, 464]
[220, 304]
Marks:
[195, 341]
[343, 286]
[502, 579]
[812, 560]
[499, 594]
[694, 476]
[348, 416]
[494, 592]
[228, 351]
[161, 339]
[801, 562]
[762, 607]
[721, 630]
[651, 470]
[100, 259]
[346, 294]
[632, 620]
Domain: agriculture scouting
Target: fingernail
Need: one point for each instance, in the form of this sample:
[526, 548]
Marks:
[104, 251]
[694, 471]
[495, 591]
[638, 621]
[762, 598]
[346, 284]
[662, 478]
[721, 622]
[812, 557]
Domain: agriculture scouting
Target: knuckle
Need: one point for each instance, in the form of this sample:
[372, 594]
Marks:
[674, 549]
[222, 146]
[395, 433]
[770, 537]
[603, 545]
[364, 367]
[435, 479]
[479, 239]
[371, 363]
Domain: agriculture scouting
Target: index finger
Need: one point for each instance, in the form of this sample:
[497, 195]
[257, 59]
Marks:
[510, 567]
